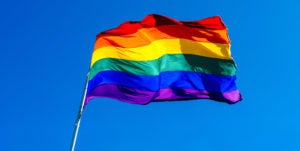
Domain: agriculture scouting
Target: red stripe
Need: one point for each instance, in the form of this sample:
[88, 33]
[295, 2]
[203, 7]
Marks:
[153, 20]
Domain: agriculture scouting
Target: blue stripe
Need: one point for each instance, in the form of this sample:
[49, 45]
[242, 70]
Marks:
[172, 79]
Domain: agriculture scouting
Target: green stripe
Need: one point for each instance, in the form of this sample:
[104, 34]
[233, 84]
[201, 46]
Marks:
[170, 62]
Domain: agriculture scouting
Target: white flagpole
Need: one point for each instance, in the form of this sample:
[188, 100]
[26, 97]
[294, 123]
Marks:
[77, 124]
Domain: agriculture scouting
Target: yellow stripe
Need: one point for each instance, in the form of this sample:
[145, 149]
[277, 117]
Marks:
[159, 48]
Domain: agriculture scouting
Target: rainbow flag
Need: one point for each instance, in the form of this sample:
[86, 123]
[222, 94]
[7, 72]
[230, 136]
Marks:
[162, 59]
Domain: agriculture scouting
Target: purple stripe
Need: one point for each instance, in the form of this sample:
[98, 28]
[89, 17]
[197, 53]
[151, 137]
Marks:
[136, 96]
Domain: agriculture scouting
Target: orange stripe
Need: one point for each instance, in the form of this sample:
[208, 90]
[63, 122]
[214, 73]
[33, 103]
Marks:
[145, 36]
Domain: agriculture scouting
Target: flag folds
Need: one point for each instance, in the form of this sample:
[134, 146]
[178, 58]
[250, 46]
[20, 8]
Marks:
[162, 59]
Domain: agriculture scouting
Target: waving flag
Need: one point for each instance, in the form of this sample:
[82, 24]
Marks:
[162, 59]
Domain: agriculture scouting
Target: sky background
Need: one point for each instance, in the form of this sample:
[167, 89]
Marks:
[46, 48]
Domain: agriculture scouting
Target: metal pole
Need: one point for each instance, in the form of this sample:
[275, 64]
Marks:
[77, 124]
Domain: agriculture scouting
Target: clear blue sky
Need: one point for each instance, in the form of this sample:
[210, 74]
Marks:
[46, 49]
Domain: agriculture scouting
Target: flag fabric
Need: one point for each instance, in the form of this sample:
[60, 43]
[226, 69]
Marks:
[162, 59]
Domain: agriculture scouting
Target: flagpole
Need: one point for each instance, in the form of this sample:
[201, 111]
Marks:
[77, 124]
